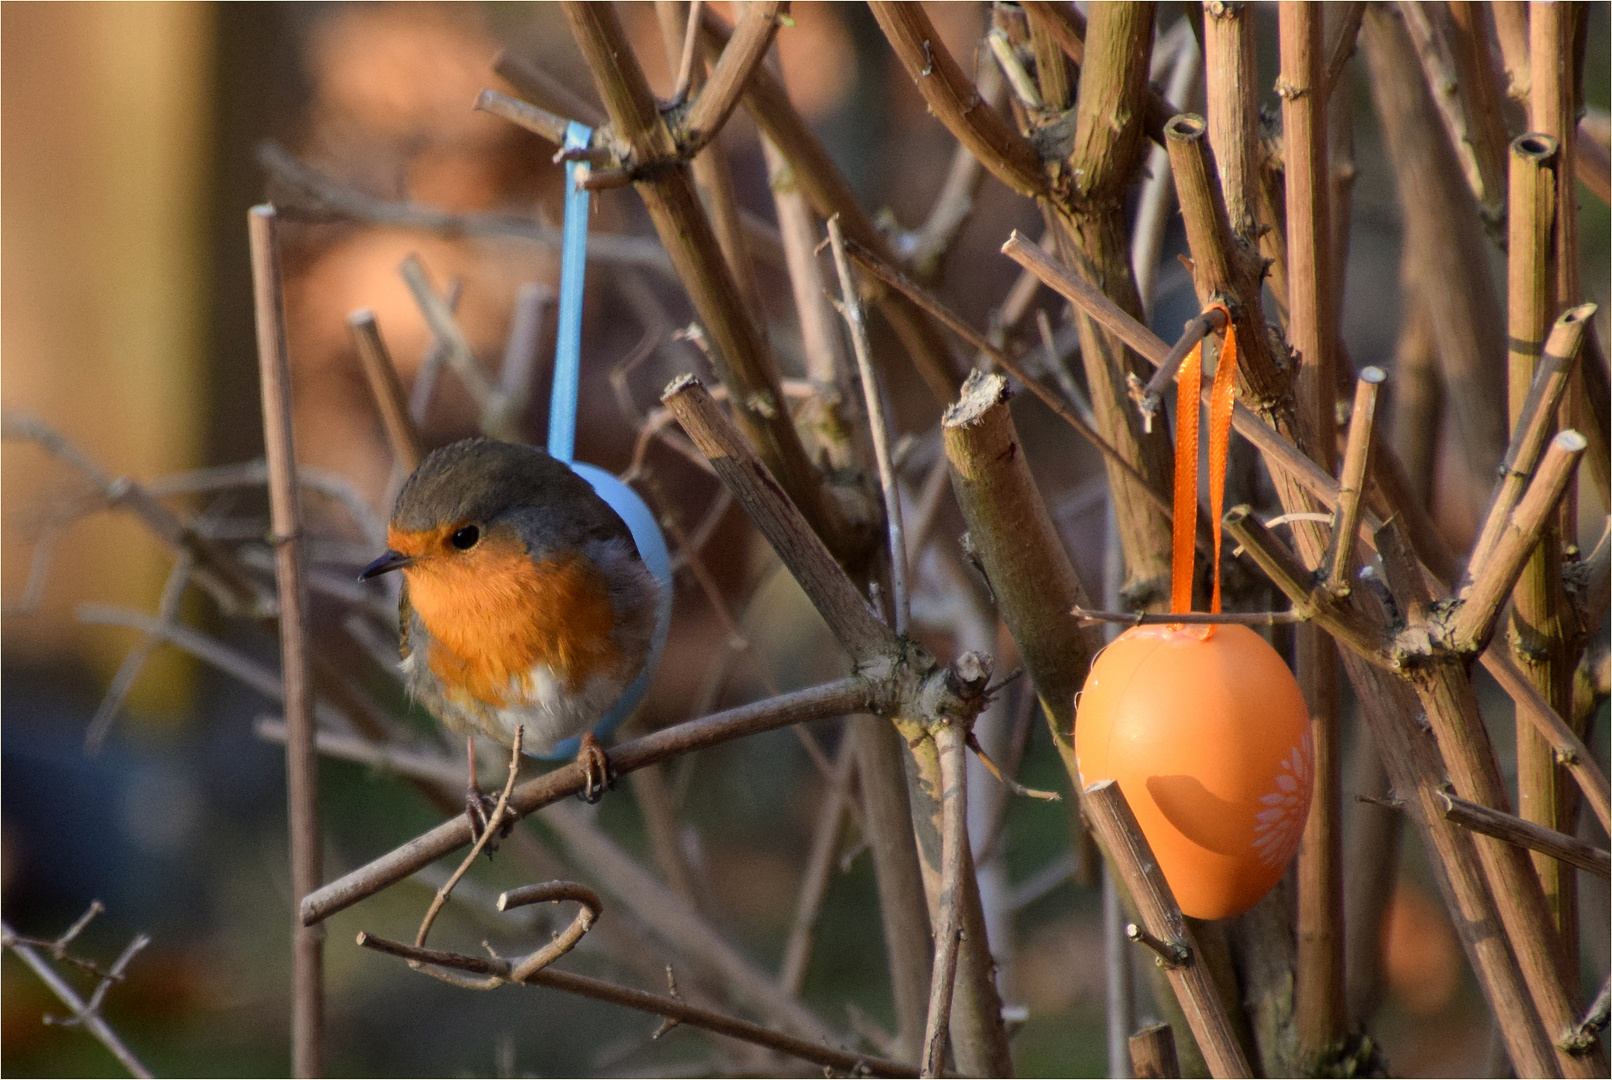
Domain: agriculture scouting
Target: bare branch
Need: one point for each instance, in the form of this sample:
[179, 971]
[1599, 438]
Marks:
[82, 1011]
[850, 307]
[671, 1008]
[386, 389]
[302, 762]
[1133, 860]
[831, 699]
[310, 189]
[954, 858]
[1515, 830]
[740, 58]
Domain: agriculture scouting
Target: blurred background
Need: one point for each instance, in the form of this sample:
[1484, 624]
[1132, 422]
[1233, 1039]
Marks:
[135, 138]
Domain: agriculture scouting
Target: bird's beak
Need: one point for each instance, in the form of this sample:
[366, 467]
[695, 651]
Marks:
[392, 560]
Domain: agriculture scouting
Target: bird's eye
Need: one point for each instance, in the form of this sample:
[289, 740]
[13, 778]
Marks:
[465, 538]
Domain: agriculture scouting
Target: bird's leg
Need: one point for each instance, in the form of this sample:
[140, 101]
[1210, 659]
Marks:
[477, 804]
[598, 777]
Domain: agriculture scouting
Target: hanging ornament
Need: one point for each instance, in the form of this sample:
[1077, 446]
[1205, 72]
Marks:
[1203, 726]
[640, 520]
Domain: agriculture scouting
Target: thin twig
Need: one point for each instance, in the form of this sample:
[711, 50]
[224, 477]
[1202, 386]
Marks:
[685, 64]
[850, 308]
[815, 878]
[951, 96]
[1343, 46]
[302, 762]
[1492, 586]
[1352, 478]
[679, 923]
[552, 892]
[519, 371]
[427, 765]
[133, 663]
[826, 189]
[831, 592]
[740, 58]
[1484, 173]
[386, 389]
[1223, 618]
[307, 187]
[1568, 749]
[1444, 241]
[948, 928]
[1004, 778]
[495, 822]
[461, 358]
[1158, 193]
[924, 247]
[541, 88]
[869, 262]
[436, 355]
[91, 1020]
[265, 680]
[1514, 830]
[235, 591]
[1149, 397]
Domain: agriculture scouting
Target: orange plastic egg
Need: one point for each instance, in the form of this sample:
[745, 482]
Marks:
[1207, 734]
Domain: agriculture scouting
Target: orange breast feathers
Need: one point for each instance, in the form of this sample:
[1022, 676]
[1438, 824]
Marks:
[494, 614]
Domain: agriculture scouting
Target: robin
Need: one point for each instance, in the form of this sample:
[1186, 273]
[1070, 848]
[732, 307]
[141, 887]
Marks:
[525, 601]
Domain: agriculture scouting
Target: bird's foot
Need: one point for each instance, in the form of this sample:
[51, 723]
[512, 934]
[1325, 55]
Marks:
[479, 807]
[598, 777]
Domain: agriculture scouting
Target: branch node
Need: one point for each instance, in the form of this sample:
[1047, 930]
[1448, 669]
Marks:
[1171, 954]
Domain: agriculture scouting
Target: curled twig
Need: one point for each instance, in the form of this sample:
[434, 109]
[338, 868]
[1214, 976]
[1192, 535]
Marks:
[494, 821]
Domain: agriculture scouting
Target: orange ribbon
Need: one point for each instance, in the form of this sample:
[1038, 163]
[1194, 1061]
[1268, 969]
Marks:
[1189, 386]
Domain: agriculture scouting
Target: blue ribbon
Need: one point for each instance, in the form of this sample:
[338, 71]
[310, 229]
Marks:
[568, 336]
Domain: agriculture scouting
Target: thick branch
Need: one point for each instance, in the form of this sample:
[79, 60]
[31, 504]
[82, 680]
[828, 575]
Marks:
[951, 97]
[1030, 573]
[772, 511]
[1129, 854]
[1232, 100]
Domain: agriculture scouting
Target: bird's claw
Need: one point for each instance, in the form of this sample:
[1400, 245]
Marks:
[598, 777]
[479, 807]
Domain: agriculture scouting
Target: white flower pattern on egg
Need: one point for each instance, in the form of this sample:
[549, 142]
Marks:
[1281, 823]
